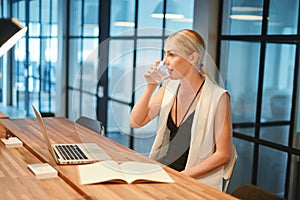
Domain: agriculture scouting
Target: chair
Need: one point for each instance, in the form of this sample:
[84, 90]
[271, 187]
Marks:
[229, 168]
[251, 192]
[47, 114]
[91, 124]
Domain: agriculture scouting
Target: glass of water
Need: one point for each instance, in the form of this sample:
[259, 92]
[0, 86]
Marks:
[163, 68]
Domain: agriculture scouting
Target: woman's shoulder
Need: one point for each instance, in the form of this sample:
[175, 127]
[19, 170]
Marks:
[214, 88]
[212, 83]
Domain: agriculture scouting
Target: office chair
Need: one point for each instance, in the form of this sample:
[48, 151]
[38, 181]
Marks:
[251, 192]
[91, 124]
[229, 168]
[47, 114]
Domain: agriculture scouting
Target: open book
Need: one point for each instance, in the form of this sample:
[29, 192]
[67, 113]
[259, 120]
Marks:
[128, 172]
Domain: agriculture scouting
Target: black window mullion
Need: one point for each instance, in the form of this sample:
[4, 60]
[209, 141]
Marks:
[27, 60]
[131, 104]
[81, 57]
[67, 56]
[293, 119]
[49, 63]
[41, 55]
[2, 9]
[260, 93]
[293, 115]
[258, 112]
[104, 29]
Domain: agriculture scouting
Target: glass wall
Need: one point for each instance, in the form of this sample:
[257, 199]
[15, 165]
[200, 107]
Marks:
[35, 57]
[260, 60]
[242, 17]
[106, 68]
[135, 45]
[82, 58]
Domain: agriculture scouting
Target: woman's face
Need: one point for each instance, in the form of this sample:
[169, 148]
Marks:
[177, 61]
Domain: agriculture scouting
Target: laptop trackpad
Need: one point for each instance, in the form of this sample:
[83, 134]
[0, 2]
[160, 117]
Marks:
[95, 151]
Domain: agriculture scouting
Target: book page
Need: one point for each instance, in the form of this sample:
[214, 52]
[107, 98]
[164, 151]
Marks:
[137, 171]
[104, 171]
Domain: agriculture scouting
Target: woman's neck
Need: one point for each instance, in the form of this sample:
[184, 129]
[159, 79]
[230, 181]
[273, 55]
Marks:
[190, 83]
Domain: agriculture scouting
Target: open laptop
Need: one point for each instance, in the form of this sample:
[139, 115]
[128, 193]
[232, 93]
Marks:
[71, 153]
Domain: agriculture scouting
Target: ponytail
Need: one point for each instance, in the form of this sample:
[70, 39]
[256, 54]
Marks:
[204, 71]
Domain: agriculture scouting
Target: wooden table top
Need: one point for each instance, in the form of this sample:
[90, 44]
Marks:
[17, 182]
[63, 130]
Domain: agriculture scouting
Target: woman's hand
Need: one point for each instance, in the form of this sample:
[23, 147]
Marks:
[154, 76]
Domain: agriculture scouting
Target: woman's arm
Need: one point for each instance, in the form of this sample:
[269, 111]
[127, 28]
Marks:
[147, 108]
[223, 128]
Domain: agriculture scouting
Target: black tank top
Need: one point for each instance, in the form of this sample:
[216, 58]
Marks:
[179, 143]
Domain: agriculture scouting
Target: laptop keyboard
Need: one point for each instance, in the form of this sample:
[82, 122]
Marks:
[71, 152]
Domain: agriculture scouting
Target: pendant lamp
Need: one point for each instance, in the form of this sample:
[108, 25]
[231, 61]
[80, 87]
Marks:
[11, 31]
[171, 11]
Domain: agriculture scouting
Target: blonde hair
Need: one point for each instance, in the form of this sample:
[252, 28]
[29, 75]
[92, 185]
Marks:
[189, 41]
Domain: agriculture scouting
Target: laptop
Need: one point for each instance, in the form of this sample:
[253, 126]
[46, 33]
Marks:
[71, 153]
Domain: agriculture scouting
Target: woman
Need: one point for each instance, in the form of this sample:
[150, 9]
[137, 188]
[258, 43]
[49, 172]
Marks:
[194, 133]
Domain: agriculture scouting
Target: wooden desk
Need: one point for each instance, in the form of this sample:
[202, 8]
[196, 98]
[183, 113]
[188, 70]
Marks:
[17, 182]
[62, 130]
[3, 116]
[2, 129]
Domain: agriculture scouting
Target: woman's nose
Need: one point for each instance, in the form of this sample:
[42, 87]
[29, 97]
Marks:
[164, 61]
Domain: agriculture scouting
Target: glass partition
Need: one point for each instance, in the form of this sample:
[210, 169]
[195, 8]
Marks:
[240, 66]
[75, 18]
[179, 15]
[132, 51]
[35, 58]
[259, 58]
[83, 57]
[91, 18]
[120, 69]
[283, 18]
[146, 19]
[242, 17]
[278, 82]
[122, 19]
[244, 160]
[272, 165]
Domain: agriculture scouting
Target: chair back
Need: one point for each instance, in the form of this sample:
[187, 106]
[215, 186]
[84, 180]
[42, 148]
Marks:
[228, 170]
[91, 124]
[252, 192]
[47, 114]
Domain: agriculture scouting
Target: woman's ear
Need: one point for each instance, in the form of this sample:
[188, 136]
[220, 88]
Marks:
[194, 58]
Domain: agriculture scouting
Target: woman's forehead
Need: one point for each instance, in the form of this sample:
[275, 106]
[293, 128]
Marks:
[171, 47]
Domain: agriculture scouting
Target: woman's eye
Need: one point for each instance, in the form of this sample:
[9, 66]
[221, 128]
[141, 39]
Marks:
[168, 54]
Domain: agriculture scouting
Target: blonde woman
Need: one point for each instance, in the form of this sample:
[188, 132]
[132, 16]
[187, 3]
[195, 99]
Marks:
[194, 134]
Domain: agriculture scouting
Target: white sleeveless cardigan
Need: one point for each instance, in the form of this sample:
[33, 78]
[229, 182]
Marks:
[202, 132]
